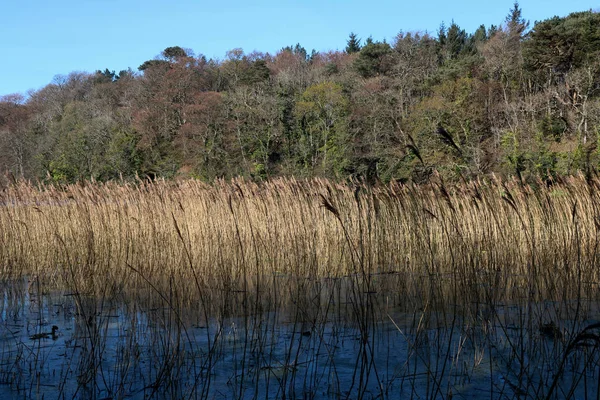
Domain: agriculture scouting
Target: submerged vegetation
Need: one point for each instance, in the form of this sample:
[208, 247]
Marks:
[304, 288]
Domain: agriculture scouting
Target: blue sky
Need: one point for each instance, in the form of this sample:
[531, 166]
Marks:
[40, 38]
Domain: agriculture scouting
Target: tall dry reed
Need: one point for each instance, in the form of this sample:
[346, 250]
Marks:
[472, 269]
[231, 234]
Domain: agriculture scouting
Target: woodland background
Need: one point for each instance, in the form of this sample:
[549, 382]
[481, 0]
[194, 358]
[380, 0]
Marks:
[514, 100]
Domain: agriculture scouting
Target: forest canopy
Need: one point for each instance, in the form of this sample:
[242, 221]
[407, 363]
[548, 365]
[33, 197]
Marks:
[512, 99]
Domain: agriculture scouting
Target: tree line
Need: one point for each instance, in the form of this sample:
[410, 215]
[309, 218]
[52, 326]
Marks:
[509, 99]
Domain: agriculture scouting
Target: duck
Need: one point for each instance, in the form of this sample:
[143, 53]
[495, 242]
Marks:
[550, 330]
[46, 335]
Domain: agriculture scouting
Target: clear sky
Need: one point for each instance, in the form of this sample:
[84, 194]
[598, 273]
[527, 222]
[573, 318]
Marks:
[41, 38]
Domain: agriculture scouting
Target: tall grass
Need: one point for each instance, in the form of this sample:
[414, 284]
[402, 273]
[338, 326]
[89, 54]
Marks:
[225, 234]
[460, 271]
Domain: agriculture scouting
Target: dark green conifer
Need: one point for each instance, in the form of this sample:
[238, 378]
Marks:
[353, 44]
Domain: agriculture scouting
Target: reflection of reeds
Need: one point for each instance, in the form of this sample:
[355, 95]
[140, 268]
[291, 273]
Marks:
[474, 264]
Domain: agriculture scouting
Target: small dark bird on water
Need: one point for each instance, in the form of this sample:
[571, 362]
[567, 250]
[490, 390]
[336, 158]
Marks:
[46, 335]
[550, 330]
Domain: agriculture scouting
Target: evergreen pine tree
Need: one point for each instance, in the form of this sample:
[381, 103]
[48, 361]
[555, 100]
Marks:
[353, 44]
[480, 35]
[515, 22]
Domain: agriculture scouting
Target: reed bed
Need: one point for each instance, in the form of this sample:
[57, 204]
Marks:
[230, 232]
[463, 275]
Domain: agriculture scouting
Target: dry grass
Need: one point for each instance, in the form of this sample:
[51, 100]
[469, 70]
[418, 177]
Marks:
[473, 268]
[228, 235]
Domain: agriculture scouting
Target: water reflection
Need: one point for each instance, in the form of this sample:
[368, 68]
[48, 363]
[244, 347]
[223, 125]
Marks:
[331, 338]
